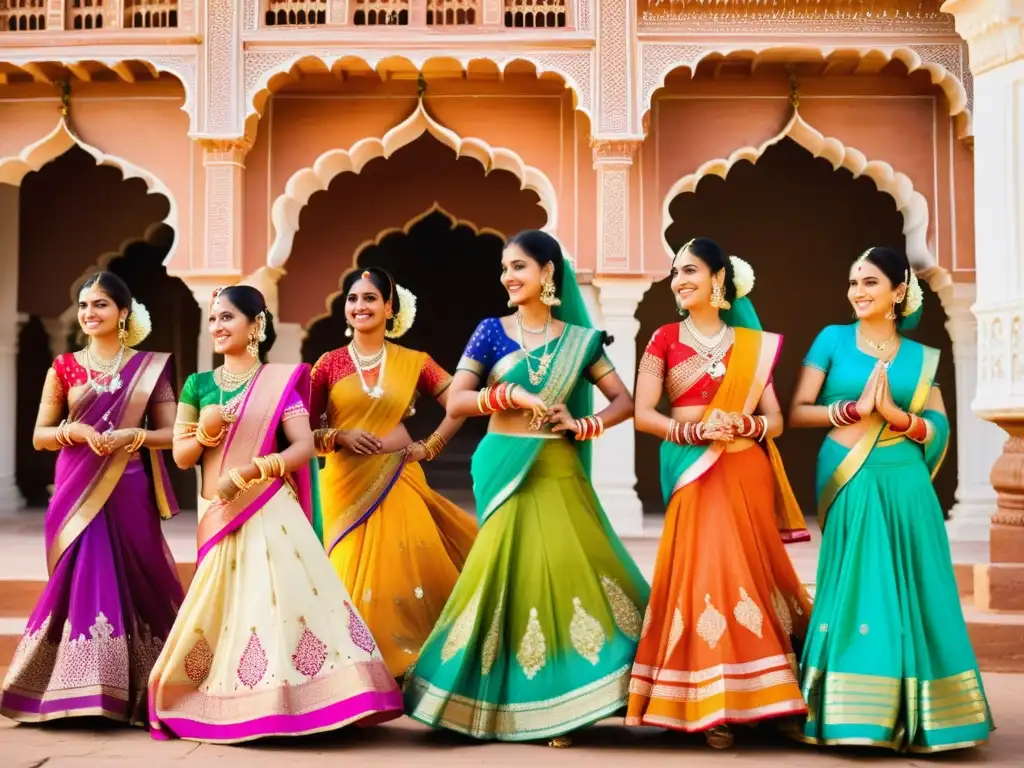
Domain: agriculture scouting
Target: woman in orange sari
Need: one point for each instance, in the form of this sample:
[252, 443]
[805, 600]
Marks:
[378, 509]
[727, 608]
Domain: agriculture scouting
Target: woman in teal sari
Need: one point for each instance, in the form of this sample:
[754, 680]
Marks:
[538, 636]
[887, 661]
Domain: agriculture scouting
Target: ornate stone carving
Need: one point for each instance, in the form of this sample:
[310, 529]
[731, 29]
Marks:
[613, 239]
[657, 60]
[225, 151]
[222, 43]
[251, 17]
[953, 58]
[992, 30]
[583, 15]
[184, 68]
[614, 152]
[613, 32]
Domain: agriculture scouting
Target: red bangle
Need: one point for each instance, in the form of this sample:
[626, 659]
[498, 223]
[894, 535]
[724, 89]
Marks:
[850, 412]
[910, 423]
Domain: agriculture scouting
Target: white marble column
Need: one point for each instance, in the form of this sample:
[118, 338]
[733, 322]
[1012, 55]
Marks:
[979, 442]
[10, 496]
[614, 471]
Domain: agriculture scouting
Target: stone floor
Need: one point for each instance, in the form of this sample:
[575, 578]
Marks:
[81, 744]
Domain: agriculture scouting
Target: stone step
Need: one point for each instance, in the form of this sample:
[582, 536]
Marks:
[999, 587]
[964, 573]
[997, 638]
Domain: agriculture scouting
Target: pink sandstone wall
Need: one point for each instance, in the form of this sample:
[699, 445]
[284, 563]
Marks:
[141, 123]
[695, 121]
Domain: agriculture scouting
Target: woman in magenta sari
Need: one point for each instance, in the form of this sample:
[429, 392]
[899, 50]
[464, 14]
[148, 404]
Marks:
[113, 591]
[267, 642]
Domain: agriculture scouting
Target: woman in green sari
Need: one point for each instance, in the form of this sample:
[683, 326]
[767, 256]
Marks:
[538, 636]
[887, 661]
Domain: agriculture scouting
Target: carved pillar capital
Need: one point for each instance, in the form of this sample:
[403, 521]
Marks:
[993, 29]
[614, 152]
[225, 151]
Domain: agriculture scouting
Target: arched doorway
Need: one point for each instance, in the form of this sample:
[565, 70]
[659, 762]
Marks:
[441, 238]
[75, 217]
[800, 224]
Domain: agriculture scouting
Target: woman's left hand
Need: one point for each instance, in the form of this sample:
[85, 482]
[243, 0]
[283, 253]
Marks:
[226, 488]
[416, 451]
[561, 419]
[118, 439]
[888, 409]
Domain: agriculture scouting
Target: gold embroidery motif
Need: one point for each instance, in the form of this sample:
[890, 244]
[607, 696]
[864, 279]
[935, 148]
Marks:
[458, 635]
[796, 606]
[585, 632]
[418, 592]
[489, 653]
[711, 624]
[748, 614]
[682, 376]
[782, 611]
[648, 615]
[676, 632]
[627, 617]
[653, 365]
[533, 649]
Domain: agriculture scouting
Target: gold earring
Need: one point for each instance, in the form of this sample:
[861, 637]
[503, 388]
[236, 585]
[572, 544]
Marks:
[348, 330]
[253, 347]
[891, 314]
[718, 297]
[547, 294]
[122, 329]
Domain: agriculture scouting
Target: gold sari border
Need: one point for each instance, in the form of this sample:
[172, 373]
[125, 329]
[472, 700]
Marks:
[142, 385]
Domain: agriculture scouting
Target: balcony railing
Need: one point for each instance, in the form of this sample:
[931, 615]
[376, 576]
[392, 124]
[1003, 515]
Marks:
[380, 13]
[532, 14]
[38, 15]
[294, 13]
[451, 13]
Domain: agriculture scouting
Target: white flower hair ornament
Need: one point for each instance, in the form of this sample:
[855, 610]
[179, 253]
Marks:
[406, 316]
[742, 276]
[915, 296]
[139, 325]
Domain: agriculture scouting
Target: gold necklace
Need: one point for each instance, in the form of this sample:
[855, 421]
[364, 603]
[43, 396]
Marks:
[232, 381]
[367, 362]
[109, 368]
[534, 331]
[878, 346]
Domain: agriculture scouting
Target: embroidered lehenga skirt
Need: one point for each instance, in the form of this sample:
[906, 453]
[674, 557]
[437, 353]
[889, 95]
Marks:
[726, 607]
[95, 633]
[539, 634]
[267, 642]
[888, 660]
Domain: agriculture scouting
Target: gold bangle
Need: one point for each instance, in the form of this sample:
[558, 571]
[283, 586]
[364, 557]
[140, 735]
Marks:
[481, 401]
[208, 440]
[136, 444]
[324, 440]
[62, 436]
[240, 483]
[434, 445]
[185, 428]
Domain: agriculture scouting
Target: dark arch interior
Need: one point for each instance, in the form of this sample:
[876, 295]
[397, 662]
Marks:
[455, 288]
[800, 224]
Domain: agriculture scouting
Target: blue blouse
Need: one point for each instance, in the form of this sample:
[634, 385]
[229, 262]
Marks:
[847, 368]
[489, 345]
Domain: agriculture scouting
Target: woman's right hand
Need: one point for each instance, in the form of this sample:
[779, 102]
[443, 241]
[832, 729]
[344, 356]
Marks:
[866, 402]
[84, 433]
[211, 420]
[527, 401]
[358, 441]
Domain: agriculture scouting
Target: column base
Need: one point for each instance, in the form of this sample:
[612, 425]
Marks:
[11, 499]
[970, 521]
[624, 510]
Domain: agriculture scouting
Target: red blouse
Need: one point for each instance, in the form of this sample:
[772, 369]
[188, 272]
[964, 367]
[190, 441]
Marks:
[686, 381]
[71, 374]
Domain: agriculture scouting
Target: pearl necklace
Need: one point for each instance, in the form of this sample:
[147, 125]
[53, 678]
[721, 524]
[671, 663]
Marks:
[534, 331]
[229, 382]
[368, 364]
[109, 368]
[711, 347]
[544, 360]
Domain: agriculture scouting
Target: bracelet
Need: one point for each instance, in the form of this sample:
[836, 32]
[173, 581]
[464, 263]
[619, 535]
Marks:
[206, 439]
[185, 429]
[764, 427]
[589, 428]
[754, 427]
[136, 444]
[63, 435]
[842, 413]
[918, 430]
[240, 483]
[324, 440]
[497, 398]
[689, 433]
[270, 466]
[433, 445]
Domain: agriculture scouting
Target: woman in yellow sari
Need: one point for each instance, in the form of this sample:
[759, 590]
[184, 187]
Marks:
[378, 509]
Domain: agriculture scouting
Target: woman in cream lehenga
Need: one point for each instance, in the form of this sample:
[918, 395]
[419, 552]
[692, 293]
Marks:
[378, 510]
[726, 605]
[539, 634]
[113, 590]
[267, 642]
[888, 661]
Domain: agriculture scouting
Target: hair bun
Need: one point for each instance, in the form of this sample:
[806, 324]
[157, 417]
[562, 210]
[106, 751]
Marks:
[742, 276]
[139, 324]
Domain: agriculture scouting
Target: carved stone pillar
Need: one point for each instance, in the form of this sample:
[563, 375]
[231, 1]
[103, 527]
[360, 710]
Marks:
[614, 470]
[994, 31]
[10, 497]
[224, 165]
[222, 111]
[613, 161]
[979, 442]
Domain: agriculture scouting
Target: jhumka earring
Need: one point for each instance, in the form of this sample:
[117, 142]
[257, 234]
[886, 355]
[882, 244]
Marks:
[547, 293]
[891, 314]
[348, 330]
[253, 347]
[122, 329]
[511, 304]
[718, 298]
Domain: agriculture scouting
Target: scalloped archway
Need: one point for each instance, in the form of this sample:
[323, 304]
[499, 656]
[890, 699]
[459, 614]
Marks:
[660, 60]
[13, 169]
[909, 202]
[304, 183]
[267, 71]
